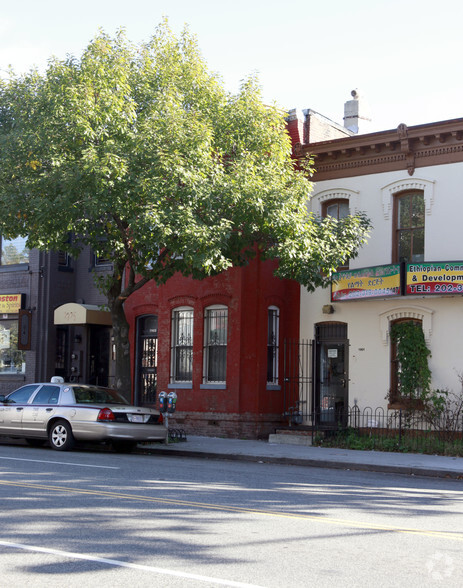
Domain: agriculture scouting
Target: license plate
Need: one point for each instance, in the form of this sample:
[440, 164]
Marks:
[137, 418]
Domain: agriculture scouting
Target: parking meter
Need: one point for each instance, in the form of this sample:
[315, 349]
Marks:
[171, 402]
[162, 402]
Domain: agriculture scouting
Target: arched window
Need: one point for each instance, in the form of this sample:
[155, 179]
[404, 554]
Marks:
[338, 209]
[410, 374]
[147, 359]
[408, 238]
[182, 345]
[215, 344]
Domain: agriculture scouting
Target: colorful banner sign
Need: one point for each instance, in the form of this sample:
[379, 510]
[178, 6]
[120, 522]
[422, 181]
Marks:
[10, 303]
[369, 282]
[435, 278]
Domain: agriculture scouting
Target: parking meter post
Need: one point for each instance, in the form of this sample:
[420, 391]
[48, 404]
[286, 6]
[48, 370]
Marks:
[171, 402]
[166, 420]
[163, 411]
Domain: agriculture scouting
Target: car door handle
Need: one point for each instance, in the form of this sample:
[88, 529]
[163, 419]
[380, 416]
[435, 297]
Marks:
[19, 408]
[49, 409]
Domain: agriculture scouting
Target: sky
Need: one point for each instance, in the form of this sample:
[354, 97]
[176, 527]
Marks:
[404, 56]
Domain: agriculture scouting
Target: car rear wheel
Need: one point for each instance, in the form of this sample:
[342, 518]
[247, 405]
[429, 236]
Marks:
[60, 436]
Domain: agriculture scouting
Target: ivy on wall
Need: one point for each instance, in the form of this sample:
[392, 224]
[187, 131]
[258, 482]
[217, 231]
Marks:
[414, 375]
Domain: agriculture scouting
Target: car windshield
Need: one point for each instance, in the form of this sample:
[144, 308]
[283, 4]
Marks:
[95, 395]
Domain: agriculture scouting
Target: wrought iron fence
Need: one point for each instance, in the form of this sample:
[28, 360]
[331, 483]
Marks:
[392, 430]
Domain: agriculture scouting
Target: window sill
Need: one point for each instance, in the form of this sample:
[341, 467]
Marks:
[13, 376]
[180, 386]
[17, 267]
[273, 387]
[101, 268]
[406, 404]
[213, 386]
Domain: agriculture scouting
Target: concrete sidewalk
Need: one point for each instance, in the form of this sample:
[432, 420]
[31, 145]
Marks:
[321, 457]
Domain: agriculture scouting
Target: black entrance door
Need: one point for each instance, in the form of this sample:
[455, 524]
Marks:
[147, 360]
[99, 355]
[331, 381]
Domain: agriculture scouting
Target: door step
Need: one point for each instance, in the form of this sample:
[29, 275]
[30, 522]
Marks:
[291, 438]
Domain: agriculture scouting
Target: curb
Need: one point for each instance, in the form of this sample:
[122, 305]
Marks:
[313, 463]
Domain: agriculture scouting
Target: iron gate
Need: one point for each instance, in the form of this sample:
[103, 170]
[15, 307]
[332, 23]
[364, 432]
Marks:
[297, 380]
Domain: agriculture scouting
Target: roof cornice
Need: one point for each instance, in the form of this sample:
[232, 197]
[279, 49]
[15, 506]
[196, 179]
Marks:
[405, 148]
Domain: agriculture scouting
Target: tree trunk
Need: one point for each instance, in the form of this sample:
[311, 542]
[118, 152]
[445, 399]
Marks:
[116, 297]
[123, 379]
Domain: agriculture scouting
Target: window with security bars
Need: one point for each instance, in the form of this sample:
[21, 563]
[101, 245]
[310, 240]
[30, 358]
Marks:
[63, 259]
[147, 359]
[215, 345]
[273, 319]
[409, 214]
[182, 345]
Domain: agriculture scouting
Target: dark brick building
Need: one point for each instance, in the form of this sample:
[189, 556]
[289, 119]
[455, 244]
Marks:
[39, 337]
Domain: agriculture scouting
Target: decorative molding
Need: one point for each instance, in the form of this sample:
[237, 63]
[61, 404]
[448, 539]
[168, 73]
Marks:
[336, 194]
[177, 301]
[355, 164]
[274, 300]
[404, 148]
[412, 312]
[388, 192]
[212, 299]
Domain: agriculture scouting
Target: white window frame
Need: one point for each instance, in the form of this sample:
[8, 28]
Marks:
[177, 345]
[221, 312]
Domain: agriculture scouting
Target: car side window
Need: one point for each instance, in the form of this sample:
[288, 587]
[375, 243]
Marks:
[22, 395]
[47, 395]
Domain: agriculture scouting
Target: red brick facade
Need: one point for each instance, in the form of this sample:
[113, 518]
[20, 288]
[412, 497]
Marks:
[245, 406]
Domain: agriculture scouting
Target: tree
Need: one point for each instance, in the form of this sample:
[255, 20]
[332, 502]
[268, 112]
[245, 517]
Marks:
[140, 153]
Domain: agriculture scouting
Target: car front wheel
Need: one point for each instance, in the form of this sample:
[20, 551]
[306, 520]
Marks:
[60, 436]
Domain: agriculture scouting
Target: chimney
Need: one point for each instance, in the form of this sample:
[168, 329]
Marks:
[295, 126]
[357, 117]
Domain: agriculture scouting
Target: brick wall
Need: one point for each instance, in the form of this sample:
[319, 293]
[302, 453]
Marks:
[228, 425]
[318, 129]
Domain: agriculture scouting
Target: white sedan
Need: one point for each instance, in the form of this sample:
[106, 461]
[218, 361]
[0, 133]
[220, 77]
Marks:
[65, 413]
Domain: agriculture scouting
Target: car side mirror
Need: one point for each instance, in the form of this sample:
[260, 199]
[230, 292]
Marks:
[2, 398]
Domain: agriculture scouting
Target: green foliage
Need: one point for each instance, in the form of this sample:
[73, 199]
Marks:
[141, 154]
[429, 442]
[412, 356]
[443, 410]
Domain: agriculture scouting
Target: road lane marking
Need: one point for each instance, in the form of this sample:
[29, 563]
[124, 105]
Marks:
[226, 508]
[125, 564]
[80, 465]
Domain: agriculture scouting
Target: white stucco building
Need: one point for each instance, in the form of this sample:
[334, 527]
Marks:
[409, 181]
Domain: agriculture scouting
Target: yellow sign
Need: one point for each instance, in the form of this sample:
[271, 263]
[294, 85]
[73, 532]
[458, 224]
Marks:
[369, 282]
[435, 278]
[10, 303]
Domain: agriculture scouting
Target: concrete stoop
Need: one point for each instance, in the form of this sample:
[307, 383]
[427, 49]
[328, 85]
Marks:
[290, 438]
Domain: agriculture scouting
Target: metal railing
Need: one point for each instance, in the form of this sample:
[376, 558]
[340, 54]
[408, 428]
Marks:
[390, 430]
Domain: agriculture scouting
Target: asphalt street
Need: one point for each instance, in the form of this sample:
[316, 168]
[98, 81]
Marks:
[91, 517]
